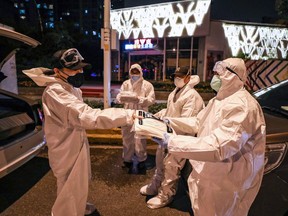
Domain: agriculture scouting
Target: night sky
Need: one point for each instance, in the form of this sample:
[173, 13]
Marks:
[243, 10]
[234, 10]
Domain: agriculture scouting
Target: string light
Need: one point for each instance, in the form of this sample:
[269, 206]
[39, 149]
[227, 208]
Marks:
[160, 20]
[257, 42]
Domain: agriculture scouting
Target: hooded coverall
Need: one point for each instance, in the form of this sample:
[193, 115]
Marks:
[184, 102]
[66, 119]
[144, 90]
[227, 155]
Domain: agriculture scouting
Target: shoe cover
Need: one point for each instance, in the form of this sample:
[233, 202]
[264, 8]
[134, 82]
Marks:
[159, 202]
[150, 189]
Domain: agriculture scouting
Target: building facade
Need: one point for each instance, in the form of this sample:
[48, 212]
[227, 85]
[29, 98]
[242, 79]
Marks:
[162, 37]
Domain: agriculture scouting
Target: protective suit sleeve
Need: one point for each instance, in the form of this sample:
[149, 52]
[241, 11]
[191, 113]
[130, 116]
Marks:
[71, 111]
[188, 125]
[223, 142]
[118, 96]
[150, 97]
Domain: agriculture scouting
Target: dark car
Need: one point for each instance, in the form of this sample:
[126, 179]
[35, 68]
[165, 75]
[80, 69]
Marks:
[21, 134]
[272, 198]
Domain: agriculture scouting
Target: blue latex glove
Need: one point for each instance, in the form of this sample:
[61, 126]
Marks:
[162, 142]
[166, 138]
[166, 121]
[159, 141]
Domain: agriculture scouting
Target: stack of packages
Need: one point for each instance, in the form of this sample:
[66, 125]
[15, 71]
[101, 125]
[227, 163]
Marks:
[128, 97]
[150, 126]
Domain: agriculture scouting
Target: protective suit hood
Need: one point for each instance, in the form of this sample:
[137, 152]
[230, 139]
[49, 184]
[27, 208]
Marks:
[138, 67]
[230, 81]
[38, 76]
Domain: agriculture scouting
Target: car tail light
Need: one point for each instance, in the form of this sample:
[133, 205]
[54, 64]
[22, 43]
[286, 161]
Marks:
[274, 155]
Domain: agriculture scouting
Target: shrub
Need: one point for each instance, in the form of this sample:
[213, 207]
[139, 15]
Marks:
[99, 104]
[157, 107]
[95, 103]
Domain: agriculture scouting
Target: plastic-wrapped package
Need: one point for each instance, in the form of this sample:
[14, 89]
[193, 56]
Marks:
[127, 97]
[150, 126]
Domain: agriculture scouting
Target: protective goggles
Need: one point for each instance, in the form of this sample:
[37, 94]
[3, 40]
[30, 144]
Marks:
[70, 58]
[220, 67]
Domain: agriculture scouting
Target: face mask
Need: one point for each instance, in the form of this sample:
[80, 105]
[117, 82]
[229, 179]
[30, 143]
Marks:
[179, 82]
[76, 80]
[135, 77]
[215, 83]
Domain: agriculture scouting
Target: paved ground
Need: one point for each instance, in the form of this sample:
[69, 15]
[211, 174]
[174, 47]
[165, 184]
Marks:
[30, 190]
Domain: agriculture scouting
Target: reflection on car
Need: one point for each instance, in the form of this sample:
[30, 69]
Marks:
[21, 134]
[272, 198]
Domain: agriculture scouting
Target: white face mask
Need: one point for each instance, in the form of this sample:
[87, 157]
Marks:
[215, 83]
[179, 82]
[135, 77]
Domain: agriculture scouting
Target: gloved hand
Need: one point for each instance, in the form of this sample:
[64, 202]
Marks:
[166, 138]
[162, 142]
[159, 141]
[166, 121]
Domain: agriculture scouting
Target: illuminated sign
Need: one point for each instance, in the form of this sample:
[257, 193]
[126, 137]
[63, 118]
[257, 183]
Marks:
[140, 44]
[175, 19]
[257, 42]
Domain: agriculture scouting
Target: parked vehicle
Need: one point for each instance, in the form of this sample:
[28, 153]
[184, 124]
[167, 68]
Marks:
[272, 198]
[21, 134]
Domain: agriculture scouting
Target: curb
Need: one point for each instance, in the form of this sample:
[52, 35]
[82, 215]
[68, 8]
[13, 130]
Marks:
[108, 137]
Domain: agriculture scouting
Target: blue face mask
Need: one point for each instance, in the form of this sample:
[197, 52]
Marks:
[135, 77]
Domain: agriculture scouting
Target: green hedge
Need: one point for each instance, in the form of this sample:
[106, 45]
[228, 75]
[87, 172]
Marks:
[99, 104]
[168, 85]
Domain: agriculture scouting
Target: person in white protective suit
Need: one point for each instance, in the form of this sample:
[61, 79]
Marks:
[137, 94]
[227, 155]
[66, 119]
[183, 101]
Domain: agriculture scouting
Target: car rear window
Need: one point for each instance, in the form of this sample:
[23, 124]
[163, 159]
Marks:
[275, 99]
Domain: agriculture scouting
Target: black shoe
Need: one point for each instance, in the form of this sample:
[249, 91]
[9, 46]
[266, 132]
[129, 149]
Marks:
[133, 170]
[141, 165]
[127, 165]
[140, 169]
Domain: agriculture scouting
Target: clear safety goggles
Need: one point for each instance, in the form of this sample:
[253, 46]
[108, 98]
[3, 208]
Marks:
[220, 67]
[71, 57]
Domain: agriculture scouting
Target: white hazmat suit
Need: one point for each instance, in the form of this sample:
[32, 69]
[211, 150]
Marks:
[66, 119]
[143, 96]
[184, 102]
[227, 155]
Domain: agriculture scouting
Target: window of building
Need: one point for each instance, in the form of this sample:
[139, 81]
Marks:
[185, 43]
[22, 11]
[171, 44]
